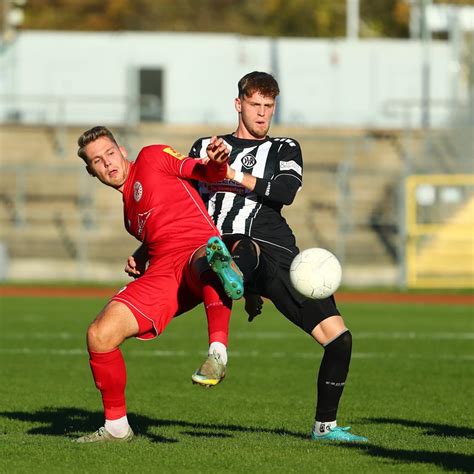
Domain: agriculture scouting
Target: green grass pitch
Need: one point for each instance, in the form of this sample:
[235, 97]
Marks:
[409, 391]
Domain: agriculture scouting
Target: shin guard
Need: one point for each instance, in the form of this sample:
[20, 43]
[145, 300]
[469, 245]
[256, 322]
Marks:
[332, 376]
[218, 308]
[110, 376]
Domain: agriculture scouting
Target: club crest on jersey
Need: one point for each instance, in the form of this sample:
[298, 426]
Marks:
[173, 152]
[137, 190]
[142, 218]
[249, 161]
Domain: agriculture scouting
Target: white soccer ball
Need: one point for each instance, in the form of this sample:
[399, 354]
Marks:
[316, 273]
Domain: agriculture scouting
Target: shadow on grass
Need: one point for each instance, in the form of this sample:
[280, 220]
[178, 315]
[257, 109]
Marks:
[72, 422]
[444, 459]
[430, 429]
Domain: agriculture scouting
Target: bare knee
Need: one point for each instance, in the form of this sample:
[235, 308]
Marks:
[329, 329]
[111, 327]
[99, 338]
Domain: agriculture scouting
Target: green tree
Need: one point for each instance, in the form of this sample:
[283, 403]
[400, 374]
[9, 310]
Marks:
[306, 18]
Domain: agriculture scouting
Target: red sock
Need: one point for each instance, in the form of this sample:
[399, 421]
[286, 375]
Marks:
[110, 376]
[218, 308]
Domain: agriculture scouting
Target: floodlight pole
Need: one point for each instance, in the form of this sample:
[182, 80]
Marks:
[352, 19]
[471, 79]
[425, 67]
[275, 69]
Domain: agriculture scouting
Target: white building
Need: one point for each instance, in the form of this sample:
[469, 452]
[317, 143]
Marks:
[121, 78]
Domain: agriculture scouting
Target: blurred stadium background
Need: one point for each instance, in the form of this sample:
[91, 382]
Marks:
[380, 96]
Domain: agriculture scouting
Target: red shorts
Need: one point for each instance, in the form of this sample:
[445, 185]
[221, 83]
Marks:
[164, 291]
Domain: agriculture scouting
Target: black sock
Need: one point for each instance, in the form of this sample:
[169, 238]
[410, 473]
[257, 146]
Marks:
[246, 258]
[332, 376]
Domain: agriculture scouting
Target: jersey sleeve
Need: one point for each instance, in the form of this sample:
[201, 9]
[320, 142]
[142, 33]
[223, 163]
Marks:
[167, 160]
[288, 177]
[204, 169]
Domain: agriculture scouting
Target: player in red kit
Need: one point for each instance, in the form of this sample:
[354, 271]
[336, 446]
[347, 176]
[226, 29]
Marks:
[163, 211]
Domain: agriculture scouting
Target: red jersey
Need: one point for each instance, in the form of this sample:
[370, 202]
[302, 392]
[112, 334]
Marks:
[161, 207]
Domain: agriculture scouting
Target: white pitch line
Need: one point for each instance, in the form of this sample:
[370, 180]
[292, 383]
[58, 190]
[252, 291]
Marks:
[236, 354]
[42, 336]
[437, 336]
[415, 335]
[34, 352]
[275, 335]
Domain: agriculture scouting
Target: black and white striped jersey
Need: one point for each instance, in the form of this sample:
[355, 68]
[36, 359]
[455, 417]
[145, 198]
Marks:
[277, 164]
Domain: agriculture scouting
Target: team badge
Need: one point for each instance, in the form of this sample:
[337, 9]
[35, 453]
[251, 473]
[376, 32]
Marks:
[173, 152]
[142, 218]
[249, 161]
[137, 191]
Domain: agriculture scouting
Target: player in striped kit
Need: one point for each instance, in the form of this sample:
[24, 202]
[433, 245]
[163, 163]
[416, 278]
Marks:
[265, 174]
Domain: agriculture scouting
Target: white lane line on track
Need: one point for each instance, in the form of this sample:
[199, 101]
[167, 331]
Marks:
[237, 354]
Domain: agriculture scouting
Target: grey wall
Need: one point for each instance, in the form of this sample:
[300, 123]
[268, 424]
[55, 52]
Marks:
[83, 78]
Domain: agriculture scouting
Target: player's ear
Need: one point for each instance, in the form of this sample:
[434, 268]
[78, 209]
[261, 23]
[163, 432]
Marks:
[238, 105]
[123, 151]
[90, 171]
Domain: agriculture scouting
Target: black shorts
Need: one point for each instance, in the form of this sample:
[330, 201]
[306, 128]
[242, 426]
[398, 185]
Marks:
[272, 280]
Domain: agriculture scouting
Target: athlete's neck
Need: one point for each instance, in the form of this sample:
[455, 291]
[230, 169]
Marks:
[245, 135]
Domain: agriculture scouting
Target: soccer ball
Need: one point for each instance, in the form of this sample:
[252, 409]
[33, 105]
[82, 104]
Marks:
[315, 273]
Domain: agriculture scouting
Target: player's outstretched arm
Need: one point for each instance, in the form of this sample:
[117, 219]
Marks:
[281, 188]
[245, 179]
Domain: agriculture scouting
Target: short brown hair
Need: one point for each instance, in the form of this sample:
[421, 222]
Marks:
[257, 81]
[92, 135]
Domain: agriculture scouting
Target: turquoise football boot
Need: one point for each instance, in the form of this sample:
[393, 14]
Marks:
[341, 434]
[220, 261]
